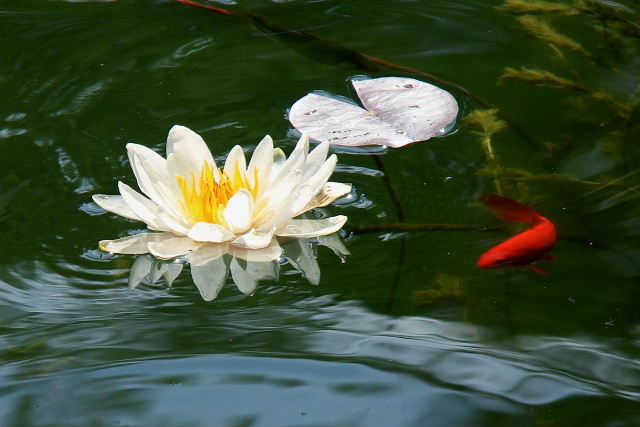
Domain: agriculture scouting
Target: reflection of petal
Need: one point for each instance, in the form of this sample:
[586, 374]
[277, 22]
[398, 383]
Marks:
[157, 270]
[241, 276]
[264, 270]
[305, 228]
[207, 253]
[210, 277]
[334, 242]
[270, 253]
[300, 254]
[246, 274]
[173, 271]
[139, 270]
[172, 248]
[133, 245]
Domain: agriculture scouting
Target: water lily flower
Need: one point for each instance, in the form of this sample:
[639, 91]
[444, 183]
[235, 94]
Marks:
[191, 202]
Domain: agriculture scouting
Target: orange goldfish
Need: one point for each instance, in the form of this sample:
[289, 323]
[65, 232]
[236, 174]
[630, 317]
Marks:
[526, 247]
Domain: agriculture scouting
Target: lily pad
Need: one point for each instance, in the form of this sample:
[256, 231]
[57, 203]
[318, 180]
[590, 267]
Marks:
[397, 111]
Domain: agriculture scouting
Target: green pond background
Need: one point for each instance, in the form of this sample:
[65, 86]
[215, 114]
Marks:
[408, 331]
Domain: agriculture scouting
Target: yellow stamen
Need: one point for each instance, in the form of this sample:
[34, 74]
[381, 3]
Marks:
[205, 199]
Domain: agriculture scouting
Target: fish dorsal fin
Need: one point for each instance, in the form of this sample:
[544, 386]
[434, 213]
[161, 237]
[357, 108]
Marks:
[509, 209]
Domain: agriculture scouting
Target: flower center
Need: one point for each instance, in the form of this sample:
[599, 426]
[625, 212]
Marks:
[205, 199]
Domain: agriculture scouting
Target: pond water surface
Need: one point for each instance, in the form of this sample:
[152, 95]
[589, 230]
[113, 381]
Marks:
[408, 331]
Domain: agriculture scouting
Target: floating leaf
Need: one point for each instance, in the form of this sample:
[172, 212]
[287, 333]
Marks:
[397, 111]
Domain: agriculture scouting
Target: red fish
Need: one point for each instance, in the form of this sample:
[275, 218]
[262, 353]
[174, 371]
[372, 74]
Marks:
[526, 247]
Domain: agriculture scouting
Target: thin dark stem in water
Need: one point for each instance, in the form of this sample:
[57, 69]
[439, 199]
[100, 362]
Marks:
[405, 227]
[212, 8]
[401, 217]
[390, 188]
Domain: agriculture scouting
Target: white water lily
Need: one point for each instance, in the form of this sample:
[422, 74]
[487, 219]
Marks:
[194, 203]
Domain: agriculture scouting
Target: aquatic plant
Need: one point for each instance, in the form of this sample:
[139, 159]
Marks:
[193, 202]
[618, 33]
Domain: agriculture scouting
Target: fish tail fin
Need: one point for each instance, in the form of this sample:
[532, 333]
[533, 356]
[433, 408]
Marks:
[540, 271]
[509, 209]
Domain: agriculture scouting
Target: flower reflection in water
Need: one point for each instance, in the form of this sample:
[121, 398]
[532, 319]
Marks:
[227, 219]
[212, 263]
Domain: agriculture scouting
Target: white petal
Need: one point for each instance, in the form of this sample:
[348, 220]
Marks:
[139, 270]
[207, 253]
[254, 239]
[209, 232]
[155, 216]
[276, 202]
[235, 162]
[145, 209]
[269, 253]
[188, 154]
[324, 173]
[179, 134]
[115, 204]
[296, 161]
[173, 271]
[239, 212]
[260, 164]
[173, 248]
[315, 159]
[153, 178]
[279, 159]
[330, 192]
[300, 255]
[136, 244]
[306, 228]
[210, 278]
[313, 185]
[175, 226]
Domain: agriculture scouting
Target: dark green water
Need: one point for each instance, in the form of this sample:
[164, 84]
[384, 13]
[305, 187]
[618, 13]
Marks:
[408, 331]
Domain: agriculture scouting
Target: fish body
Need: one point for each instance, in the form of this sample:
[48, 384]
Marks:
[526, 247]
